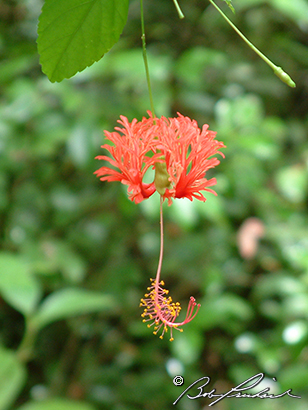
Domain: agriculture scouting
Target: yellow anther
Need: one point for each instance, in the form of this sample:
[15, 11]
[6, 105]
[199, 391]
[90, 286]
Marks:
[160, 310]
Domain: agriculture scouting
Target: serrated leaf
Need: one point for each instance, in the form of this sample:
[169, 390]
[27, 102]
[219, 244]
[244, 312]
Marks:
[18, 287]
[73, 34]
[71, 302]
[229, 3]
[12, 376]
[57, 404]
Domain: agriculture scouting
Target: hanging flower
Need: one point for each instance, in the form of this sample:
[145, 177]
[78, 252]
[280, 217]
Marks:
[177, 149]
[181, 154]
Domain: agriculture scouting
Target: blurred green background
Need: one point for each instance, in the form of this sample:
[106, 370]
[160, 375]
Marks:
[76, 255]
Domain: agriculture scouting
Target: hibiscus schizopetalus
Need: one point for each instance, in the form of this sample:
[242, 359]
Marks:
[180, 153]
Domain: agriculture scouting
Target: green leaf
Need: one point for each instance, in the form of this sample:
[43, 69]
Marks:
[57, 404]
[17, 286]
[73, 34]
[12, 376]
[70, 302]
[292, 182]
[224, 310]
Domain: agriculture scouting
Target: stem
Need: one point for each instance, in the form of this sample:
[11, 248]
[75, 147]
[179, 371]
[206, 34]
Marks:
[159, 308]
[277, 70]
[160, 262]
[24, 351]
[178, 9]
[145, 58]
[192, 303]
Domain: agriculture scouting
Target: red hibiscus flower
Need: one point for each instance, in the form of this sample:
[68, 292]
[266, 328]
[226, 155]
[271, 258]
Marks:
[176, 143]
[181, 154]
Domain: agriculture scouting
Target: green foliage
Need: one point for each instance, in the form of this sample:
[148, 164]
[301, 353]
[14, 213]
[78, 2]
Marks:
[297, 9]
[17, 286]
[73, 34]
[76, 255]
[56, 404]
[12, 376]
[66, 303]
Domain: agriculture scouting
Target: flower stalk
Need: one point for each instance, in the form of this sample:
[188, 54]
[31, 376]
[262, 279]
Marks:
[159, 309]
[278, 71]
[145, 58]
[25, 349]
[178, 9]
